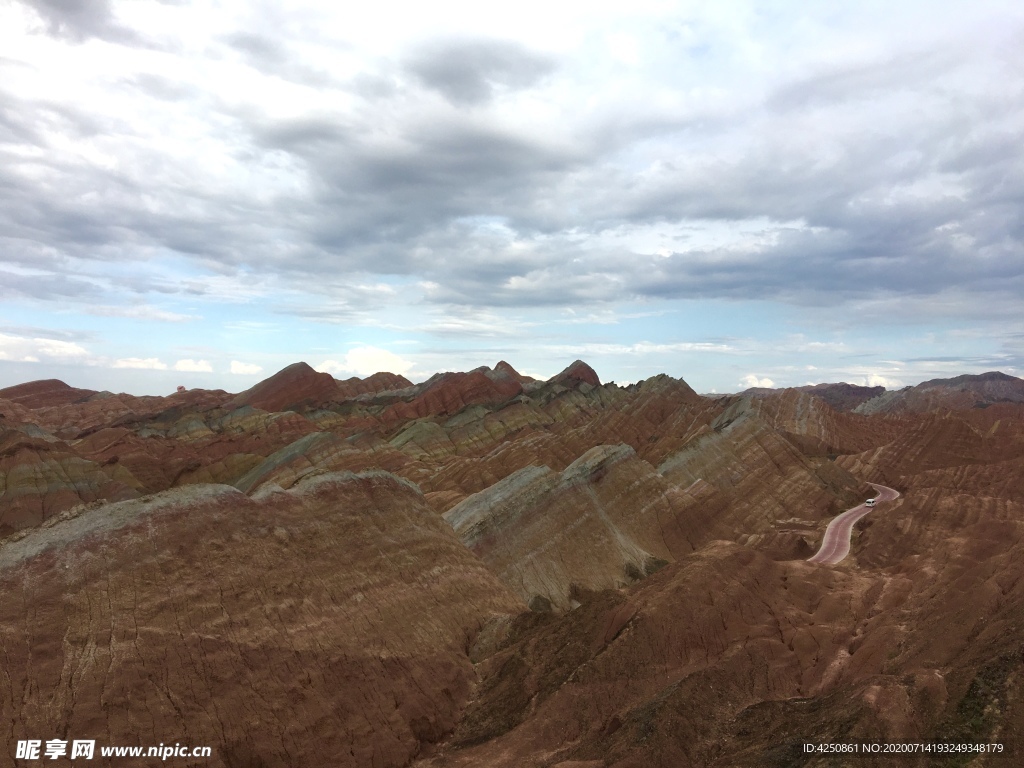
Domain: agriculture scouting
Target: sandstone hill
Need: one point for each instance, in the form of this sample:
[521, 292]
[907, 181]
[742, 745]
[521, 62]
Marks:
[841, 396]
[37, 394]
[958, 393]
[299, 385]
[487, 570]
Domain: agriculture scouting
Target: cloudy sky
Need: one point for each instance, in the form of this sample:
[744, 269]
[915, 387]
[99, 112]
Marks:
[201, 193]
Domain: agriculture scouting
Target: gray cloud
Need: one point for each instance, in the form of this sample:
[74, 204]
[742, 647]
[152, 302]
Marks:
[45, 287]
[79, 20]
[158, 87]
[14, 128]
[271, 56]
[385, 200]
[894, 177]
[470, 72]
[59, 334]
[258, 48]
[962, 362]
[889, 77]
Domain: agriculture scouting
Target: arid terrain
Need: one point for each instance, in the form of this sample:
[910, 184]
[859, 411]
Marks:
[488, 570]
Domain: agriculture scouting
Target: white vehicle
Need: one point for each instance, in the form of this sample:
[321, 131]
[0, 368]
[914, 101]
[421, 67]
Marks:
[870, 502]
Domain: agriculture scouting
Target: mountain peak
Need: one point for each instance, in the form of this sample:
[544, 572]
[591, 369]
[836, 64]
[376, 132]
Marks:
[289, 386]
[974, 378]
[506, 369]
[578, 371]
[45, 392]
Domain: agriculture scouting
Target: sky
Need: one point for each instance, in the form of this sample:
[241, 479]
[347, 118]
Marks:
[735, 193]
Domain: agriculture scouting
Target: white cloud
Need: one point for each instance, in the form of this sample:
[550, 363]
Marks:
[193, 366]
[874, 380]
[60, 349]
[141, 312]
[245, 369]
[537, 376]
[364, 361]
[149, 363]
[5, 355]
[32, 350]
[639, 348]
[751, 380]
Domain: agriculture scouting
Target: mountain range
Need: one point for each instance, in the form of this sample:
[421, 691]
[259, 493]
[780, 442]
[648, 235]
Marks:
[485, 569]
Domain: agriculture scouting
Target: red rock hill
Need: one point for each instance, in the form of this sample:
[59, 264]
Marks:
[578, 371]
[43, 393]
[299, 384]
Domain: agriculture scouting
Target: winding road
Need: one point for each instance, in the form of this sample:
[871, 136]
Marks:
[836, 544]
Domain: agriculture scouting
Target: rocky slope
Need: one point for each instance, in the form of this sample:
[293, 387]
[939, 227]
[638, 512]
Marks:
[47, 392]
[841, 396]
[484, 569]
[329, 619]
[606, 521]
[299, 386]
[958, 393]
